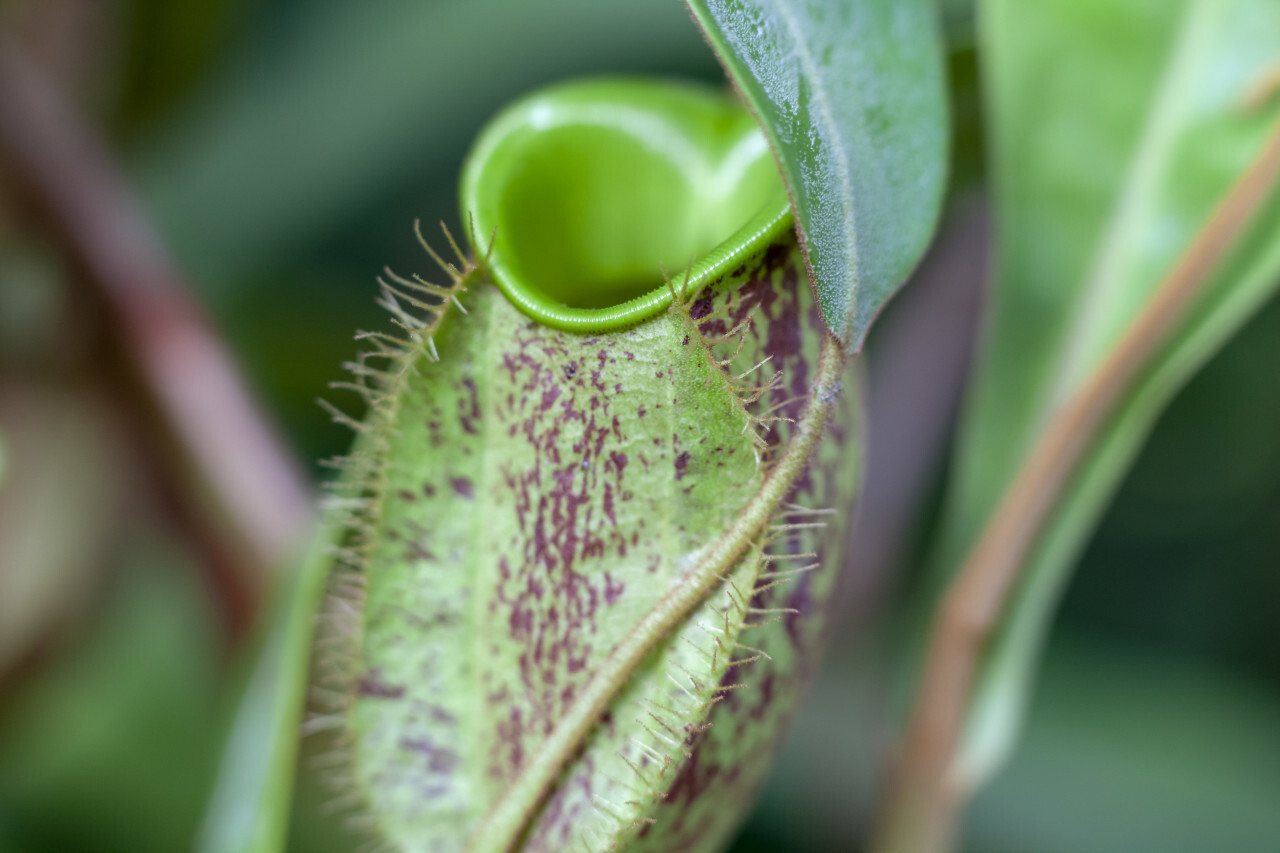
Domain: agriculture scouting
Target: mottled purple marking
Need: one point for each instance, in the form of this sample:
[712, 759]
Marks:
[442, 716]
[469, 409]
[549, 398]
[440, 759]
[619, 461]
[371, 684]
[702, 306]
[612, 590]
[682, 465]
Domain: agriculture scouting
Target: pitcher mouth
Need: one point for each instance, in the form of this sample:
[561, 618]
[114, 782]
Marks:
[600, 195]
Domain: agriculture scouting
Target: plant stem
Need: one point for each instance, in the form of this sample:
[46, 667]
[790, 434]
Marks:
[238, 495]
[507, 820]
[924, 799]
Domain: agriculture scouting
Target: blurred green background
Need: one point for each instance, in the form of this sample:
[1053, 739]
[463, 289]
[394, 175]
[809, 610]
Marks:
[283, 149]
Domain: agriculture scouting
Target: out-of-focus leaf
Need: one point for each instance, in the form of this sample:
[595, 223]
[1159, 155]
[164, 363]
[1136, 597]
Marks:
[110, 746]
[852, 98]
[250, 806]
[1115, 127]
[352, 104]
[169, 49]
[60, 477]
[1143, 753]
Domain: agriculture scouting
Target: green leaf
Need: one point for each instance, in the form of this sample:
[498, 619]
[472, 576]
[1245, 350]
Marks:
[1137, 751]
[572, 613]
[249, 808]
[1115, 128]
[124, 714]
[852, 98]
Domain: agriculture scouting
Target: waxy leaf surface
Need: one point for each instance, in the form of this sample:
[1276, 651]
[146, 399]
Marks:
[852, 99]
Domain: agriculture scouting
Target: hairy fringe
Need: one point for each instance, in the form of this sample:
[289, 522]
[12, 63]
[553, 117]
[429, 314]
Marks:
[744, 389]
[352, 503]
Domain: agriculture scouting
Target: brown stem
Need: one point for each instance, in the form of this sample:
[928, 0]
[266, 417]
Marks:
[923, 800]
[238, 493]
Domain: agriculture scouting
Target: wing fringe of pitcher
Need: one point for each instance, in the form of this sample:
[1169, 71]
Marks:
[417, 307]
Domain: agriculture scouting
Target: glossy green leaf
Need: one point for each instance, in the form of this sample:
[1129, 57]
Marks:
[586, 583]
[852, 98]
[1115, 128]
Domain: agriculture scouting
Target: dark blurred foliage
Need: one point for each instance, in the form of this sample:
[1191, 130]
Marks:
[283, 149]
